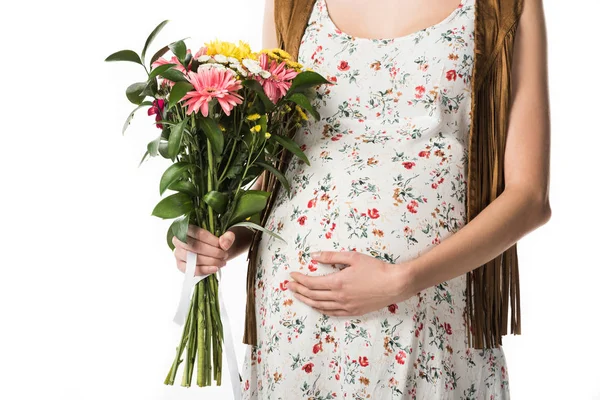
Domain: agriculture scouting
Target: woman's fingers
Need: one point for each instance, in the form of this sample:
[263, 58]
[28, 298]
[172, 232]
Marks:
[203, 235]
[200, 269]
[200, 247]
[210, 250]
[204, 248]
[201, 259]
[226, 240]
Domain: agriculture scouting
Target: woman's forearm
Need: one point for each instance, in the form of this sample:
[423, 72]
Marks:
[502, 223]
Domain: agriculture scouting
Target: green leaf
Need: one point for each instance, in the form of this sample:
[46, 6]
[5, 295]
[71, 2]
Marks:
[134, 92]
[159, 70]
[179, 90]
[151, 37]
[183, 186]
[131, 114]
[125, 55]
[275, 172]
[143, 158]
[303, 102]
[166, 130]
[255, 218]
[175, 138]
[250, 202]
[163, 149]
[173, 206]
[159, 54]
[151, 88]
[258, 89]
[217, 201]
[237, 165]
[174, 75]
[213, 133]
[292, 146]
[171, 174]
[153, 147]
[179, 49]
[258, 227]
[178, 228]
[305, 80]
[262, 121]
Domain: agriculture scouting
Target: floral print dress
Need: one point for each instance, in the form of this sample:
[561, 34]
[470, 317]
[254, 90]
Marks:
[387, 177]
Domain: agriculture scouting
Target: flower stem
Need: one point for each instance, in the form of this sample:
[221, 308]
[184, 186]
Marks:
[209, 334]
[209, 181]
[170, 379]
[218, 336]
[191, 353]
[201, 328]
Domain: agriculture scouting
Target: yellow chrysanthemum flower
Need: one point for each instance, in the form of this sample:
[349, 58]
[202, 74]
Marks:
[253, 117]
[302, 114]
[256, 128]
[277, 54]
[293, 64]
[282, 53]
[228, 49]
[267, 135]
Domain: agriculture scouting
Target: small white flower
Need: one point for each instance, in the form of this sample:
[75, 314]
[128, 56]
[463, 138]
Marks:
[233, 71]
[252, 65]
[233, 60]
[242, 70]
[204, 58]
[220, 58]
[264, 74]
[211, 65]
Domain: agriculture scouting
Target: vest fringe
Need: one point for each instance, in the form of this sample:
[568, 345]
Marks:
[490, 286]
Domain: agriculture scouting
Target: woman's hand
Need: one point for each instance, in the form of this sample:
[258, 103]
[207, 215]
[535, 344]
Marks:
[212, 250]
[366, 285]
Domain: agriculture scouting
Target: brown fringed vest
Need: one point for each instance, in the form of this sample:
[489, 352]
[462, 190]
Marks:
[490, 286]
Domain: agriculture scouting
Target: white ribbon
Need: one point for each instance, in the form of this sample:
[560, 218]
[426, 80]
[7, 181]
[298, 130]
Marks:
[182, 309]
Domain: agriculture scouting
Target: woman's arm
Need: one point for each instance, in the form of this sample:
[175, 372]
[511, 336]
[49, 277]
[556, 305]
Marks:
[523, 206]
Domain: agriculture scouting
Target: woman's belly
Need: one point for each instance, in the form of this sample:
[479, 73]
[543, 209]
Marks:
[392, 195]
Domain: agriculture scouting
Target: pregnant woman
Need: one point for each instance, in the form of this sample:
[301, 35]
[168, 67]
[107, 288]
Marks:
[368, 298]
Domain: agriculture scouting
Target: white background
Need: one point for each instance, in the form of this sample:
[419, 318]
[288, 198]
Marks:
[88, 286]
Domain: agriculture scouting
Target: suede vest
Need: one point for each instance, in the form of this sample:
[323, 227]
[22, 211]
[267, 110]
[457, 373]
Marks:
[494, 285]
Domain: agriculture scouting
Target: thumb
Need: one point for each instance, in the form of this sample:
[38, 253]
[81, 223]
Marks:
[226, 240]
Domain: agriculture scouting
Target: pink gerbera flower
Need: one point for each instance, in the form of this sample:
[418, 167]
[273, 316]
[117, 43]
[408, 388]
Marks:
[212, 83]
[202, 51]
[178, 66]
[174, 60]
[277, 85]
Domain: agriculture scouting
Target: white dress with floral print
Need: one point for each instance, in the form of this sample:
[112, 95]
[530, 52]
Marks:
[386, 177]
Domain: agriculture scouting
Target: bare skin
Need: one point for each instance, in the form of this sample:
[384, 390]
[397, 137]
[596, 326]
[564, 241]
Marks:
[521, 208]
[214, 252]
[390, 18]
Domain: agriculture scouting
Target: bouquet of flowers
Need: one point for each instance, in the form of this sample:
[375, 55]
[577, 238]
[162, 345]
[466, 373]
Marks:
[225, 115]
